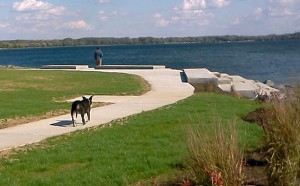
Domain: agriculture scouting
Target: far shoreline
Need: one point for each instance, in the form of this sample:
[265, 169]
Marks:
[110, 41]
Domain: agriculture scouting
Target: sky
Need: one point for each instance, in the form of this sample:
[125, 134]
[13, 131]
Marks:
[59, 19]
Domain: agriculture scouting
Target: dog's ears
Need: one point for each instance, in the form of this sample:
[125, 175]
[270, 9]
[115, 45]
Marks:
[83, 97]
[91, 97]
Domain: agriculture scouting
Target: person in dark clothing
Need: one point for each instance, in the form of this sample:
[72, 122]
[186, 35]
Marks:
[98, 56]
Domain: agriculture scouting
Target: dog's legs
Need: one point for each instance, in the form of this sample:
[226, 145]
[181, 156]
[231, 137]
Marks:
[89, 116]
[83, 121]
[73, 120]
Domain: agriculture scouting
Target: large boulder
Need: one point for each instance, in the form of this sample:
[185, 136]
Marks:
[200, 76]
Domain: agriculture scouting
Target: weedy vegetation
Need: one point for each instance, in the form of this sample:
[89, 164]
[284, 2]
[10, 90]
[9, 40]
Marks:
[282, 130]
[215, 157]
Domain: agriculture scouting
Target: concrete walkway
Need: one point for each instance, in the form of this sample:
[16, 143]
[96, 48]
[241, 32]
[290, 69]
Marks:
[166, 88]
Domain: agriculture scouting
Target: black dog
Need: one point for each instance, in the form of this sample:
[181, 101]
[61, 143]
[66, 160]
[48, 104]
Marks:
[82, 107]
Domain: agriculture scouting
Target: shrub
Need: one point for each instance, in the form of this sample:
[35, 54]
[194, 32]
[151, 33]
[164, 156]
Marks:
[283, 136]
[215, 157]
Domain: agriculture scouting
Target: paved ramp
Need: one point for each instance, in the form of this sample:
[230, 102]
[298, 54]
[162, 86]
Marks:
[166, 88]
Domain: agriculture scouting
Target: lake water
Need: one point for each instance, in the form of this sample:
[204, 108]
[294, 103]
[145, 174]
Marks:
[278, 61]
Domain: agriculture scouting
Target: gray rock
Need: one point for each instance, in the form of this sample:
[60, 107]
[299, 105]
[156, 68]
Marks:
[269, 83]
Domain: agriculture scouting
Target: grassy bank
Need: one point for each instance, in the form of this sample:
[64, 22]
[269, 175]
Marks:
[147, 145]
[31, 93]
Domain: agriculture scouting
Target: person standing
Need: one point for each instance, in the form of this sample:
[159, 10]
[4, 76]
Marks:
[98, 56]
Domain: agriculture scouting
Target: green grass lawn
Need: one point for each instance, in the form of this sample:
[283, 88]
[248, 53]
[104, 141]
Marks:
[135, 148]
[26, 93]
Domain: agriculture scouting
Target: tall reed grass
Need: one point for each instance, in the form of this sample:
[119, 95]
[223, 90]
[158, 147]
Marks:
[215, 158]
[283, 136]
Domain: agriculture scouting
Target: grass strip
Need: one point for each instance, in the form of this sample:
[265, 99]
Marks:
[129, 150]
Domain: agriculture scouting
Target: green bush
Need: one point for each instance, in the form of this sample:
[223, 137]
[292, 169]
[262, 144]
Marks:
[283, 135]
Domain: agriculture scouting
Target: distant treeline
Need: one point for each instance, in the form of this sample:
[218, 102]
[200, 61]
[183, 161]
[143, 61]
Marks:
[141, 40]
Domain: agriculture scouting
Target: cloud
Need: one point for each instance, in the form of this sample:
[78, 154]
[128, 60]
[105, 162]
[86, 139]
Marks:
[202, 4]
[104, 1]
[219, 3]
[29, 17]
[4, 25]
[274, 16]
[272, 12]
[56, 10]
[39, 15]
[282, 1]
[105, 16]
[31, 5]
[78, 25]
[280, 12]
[193, 4]
[157, 15]
[258, 12]
[35, 10]
[195, 12]
[284, 8]
[162, 22]
[189, 14]
[38, 6]
[114, 13]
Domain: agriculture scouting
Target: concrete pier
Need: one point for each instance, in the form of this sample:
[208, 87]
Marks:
[130, 67]
[76, 67]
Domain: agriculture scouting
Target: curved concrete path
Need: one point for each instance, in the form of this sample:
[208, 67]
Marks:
[166, 88]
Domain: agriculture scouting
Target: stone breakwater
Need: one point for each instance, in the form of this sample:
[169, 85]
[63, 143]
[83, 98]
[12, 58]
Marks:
[235, 84]
[10, 66]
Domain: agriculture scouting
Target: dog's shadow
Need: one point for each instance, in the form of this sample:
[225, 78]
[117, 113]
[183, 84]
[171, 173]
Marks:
[63, 123]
